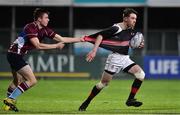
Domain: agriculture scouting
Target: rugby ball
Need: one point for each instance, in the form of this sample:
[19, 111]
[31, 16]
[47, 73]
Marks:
[136, 40]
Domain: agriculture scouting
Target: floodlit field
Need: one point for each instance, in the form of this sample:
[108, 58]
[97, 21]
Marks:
[65, 96]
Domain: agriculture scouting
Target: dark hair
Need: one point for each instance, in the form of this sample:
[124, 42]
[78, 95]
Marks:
[128, 11]
[38, 12]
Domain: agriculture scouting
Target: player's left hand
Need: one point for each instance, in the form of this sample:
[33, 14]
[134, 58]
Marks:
[90, 56]
[60, 45]
[141, 44]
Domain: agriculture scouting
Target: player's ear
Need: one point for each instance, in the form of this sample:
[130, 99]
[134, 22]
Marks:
[125, 19]
[39, 19]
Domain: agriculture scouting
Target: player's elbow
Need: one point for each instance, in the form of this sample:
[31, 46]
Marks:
[38, 47]
[100, 36]
[59, 38]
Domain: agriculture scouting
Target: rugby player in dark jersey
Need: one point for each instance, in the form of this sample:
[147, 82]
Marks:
[116, 39]
[30, 38]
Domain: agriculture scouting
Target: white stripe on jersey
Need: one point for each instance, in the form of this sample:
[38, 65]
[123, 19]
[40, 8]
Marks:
[119, 30]
[20, 42]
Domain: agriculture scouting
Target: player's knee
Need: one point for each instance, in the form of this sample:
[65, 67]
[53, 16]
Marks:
[34, 82]
[20, 80]
[140, 75]
[101, 85]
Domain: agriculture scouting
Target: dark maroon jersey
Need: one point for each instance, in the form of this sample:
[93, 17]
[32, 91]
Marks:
[22, 44]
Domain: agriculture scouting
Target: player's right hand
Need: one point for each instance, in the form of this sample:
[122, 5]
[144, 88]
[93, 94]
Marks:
[90, 56]
[82, 39]
[60, 45]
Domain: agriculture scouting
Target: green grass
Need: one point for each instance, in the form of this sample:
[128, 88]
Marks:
[65, 96]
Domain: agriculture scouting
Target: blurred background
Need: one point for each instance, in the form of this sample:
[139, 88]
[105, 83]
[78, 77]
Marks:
[157, 19]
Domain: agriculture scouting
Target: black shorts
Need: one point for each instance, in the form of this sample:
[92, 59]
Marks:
[16, 61]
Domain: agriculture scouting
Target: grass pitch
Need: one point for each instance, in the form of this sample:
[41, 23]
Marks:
[65, 97]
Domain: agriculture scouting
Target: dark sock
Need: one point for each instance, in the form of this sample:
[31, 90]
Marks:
[93, 93]
[9, 91]
[135, 87]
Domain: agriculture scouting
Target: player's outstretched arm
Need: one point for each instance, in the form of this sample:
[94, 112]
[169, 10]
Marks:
[41, 46]
[67, 39]
[90, 56]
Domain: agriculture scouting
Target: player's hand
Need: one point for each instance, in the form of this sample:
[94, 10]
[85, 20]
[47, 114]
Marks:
[82, 39]
[141, 44]
[90, 56]
[60, 45]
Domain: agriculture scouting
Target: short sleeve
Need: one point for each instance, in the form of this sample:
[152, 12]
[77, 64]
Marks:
[30, 31]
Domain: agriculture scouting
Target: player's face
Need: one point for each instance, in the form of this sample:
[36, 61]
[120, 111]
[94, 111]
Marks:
[131, 20]
[44, 19]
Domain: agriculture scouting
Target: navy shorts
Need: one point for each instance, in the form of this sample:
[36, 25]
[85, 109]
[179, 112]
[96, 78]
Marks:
[16, 61]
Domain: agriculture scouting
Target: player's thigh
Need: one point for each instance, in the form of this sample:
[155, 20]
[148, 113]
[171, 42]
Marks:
[106, 77]
[27, 73]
